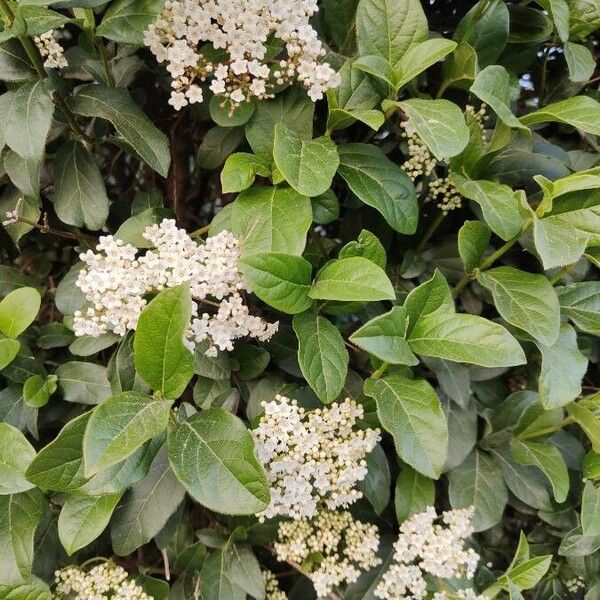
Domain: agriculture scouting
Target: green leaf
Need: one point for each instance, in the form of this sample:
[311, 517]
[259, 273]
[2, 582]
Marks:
[574, 543]
[492, 87]
[419, 58]
[18, 310]
[39, 19]
[83, 518]
[439, 123]
[380, 183]
[16, 454]
[59, 465]
[83, 382]
[563, 368]
[485, 30]
[115, 105]
[558, 242]
[32, 589]
[28, 122]
[580, 61]
[125, 21]
[414, 493]
[307, 165]
[473, 240]
[119, 426]
[293, 108]
[280, 280]
[410, 410]
[217, 578]
[498, 202]
[24, 173]
[19, 518]
[588, 421]
[385, 337]
[376, 484]
[367, 245]
[590, 509]
[580, 302]
[240, 170]
[212, 454]
[461, 67]
[428, 297]
[8, 351]
[524, 300]
[123, 475]
[478, 482]
[37, 390]
[322, 355]
[389, 27]
[271, 219]
[146, 507]
[582, 112]
[548, 459]
[161, 359]
[217, 144]
[527, 483]
[527, 574]
[465, 338]
[558, 11]
[79, 194]
[325, 208]
[245, 570]
[352, 279]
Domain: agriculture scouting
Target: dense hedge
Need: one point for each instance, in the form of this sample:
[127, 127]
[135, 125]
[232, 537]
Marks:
[299, 301]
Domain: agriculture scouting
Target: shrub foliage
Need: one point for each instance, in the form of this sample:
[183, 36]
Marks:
[388, 201]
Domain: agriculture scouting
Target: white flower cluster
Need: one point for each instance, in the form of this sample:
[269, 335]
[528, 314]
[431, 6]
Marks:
[272, 591]
[425, 546]
[240, 64]
[102, 582]
[51, 50]
[116, 280]
[422, 163]
[575, 584]
[312, 457]
[348, 547]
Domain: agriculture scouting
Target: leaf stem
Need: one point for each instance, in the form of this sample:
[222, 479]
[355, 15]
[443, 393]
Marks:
[547, 430]
[561, 273]
[490, 260]
[380, 371]
[430, 231]
[200, 232]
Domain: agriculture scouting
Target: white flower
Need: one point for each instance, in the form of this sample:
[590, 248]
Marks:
[51, 50]
[243, 29]
[116, 281]
[101, 582]
[272, 591]
[348, 547]
[426, 547]
[312, 457]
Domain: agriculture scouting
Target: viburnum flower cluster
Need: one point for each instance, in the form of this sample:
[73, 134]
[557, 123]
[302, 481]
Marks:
[230, 43]
[272, 590]
[425, 547]
[312, 458]
[348, 547]
[102, 582]
[422, 163]
[116, 281]
[51, 50]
